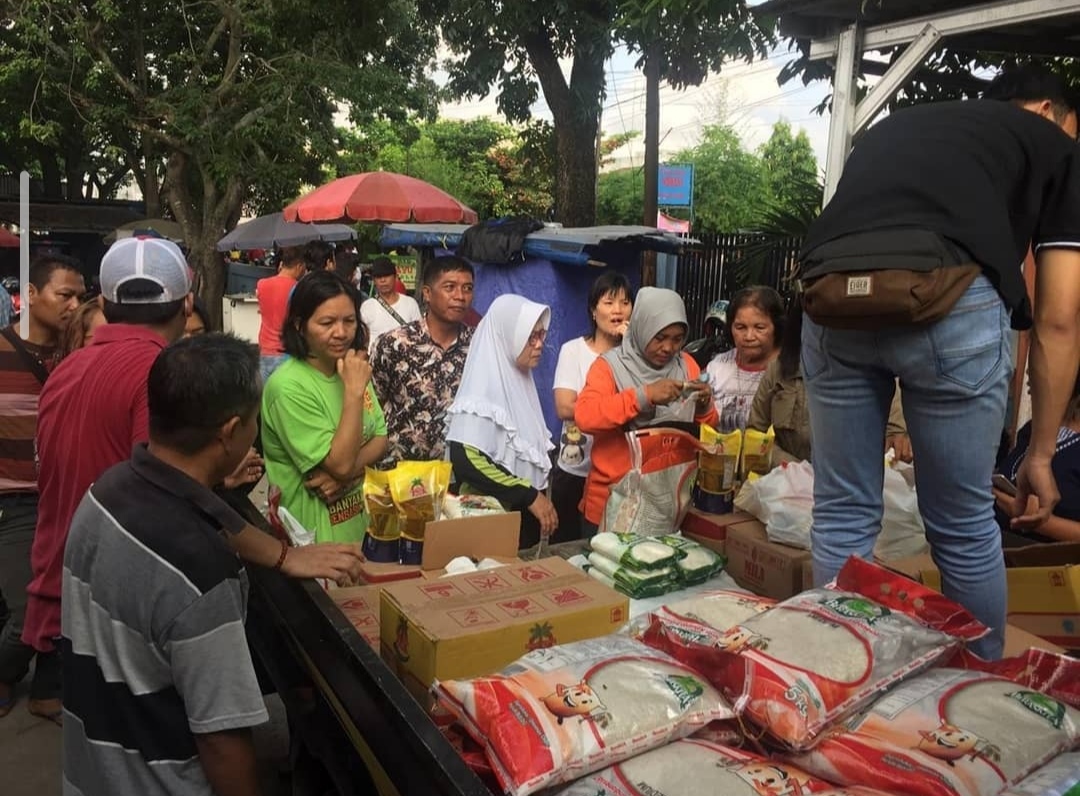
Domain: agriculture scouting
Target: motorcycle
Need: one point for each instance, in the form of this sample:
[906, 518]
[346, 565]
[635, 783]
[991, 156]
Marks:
[716, 339]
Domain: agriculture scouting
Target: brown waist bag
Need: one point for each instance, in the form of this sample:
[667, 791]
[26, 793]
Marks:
[887, 278]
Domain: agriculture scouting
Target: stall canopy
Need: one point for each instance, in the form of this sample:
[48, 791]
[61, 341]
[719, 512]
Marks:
[550, 274]
[841, 31]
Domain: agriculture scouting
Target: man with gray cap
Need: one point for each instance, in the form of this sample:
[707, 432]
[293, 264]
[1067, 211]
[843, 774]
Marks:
[93, 410]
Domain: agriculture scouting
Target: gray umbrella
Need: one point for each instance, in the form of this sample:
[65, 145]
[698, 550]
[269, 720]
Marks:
[266, 232]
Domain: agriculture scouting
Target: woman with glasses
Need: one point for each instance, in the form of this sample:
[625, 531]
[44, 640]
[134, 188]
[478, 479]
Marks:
[496, 436]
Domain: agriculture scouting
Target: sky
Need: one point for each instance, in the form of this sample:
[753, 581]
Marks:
[754, 102]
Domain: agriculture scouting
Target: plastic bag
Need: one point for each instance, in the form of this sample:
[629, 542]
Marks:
[642, 592]
[784, 501]
[560, 713]
[952, 732]
[629, 580]
[902, 531]
[816, 658]
[654, 496]
[1059, 777]
[695, 767]
[383, 537]
[454, 507]
[418, 489]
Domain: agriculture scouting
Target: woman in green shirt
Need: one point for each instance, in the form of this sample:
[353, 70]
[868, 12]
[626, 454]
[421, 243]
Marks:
[322, 423]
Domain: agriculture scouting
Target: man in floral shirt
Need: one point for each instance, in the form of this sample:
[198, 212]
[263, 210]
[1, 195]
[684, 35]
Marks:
[417, 367]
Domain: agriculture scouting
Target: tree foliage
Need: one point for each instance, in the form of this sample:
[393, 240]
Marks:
[520, 48]
[226, 103]
[493, 167]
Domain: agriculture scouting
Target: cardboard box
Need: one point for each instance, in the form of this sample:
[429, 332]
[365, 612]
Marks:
[488, 536]
[1019, 641]
[360, 604]
[808, 573]
[716, 545]
[701, 524]
[477, 623]
[1044, 588]
[764, 567]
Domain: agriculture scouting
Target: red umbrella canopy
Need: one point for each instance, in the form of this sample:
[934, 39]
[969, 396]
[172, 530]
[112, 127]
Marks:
[379, 196]
[7, 239]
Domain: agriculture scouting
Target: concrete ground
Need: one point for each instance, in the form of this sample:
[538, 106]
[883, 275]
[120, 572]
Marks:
[30, 752]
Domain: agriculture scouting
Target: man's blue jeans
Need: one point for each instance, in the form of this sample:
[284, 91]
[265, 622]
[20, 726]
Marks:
[954, 378]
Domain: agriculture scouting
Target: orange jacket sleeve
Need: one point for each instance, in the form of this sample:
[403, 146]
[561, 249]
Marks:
[600, 406]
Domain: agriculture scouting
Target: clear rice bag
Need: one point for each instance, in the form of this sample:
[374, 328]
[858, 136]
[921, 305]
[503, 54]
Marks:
[698, 563]
[697, 767]
[632, 579]
[1059, 777]
[640, 593]
[635, 552]
[563, 712]
[816, 658]
[951, 732]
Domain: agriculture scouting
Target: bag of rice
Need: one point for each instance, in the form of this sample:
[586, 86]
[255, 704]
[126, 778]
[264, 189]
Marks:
[689, 630]
[562, 712]
[635, 552]
[1059, 777]
[696, 767]
[698, 563]
[819, 656]
[949, 732]
[632, 582]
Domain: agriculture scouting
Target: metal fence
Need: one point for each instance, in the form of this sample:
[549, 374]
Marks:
[728, 261]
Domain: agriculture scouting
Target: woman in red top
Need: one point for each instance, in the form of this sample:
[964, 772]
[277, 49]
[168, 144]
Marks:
[646, 380]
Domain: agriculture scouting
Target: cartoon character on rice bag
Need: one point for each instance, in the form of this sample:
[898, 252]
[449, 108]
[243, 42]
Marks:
[739, 638]
[951, 743]
[773, 779]
[570, 701]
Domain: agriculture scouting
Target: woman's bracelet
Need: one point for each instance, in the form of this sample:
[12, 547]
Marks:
[284, 553]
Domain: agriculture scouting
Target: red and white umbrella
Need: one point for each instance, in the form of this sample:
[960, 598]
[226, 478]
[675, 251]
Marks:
[380, 196]
[8, 240]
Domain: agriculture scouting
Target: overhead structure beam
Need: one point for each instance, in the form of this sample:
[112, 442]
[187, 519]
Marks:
[896, 76]
[842, 117]
[973, 19]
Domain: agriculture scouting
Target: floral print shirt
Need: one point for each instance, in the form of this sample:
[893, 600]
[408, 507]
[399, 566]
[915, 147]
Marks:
[416, 380]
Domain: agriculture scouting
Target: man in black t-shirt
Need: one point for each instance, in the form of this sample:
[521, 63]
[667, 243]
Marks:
[987, 178]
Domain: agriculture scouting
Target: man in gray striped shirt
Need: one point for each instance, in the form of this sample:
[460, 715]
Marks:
[159, 689]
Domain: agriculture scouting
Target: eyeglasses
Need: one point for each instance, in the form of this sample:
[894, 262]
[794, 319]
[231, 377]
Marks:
[537, 337]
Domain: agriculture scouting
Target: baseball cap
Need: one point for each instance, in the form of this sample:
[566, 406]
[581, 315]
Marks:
[145, 262]
[383, 266]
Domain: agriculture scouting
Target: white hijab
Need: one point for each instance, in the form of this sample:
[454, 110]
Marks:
[497, 409]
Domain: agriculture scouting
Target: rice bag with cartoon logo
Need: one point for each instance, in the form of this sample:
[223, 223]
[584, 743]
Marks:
[950, 732]
[695, 767]
[559, 713]
[818, 657]
[417, 489]
[689, 630]
[383, 534]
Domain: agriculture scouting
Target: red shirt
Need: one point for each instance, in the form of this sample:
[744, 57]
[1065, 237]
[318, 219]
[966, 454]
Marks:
[91, 413]
[273, 294]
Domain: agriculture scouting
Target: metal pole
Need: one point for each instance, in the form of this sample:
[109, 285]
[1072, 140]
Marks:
[842, 120]
[652, 155]
[24, 253]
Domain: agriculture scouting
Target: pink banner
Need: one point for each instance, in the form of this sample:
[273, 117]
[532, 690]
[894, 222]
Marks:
[668, 224]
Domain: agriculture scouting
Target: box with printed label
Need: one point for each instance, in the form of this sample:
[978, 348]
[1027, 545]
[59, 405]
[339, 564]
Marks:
[764, 567]
[360, 604]
[477, 623]
[1044, 588]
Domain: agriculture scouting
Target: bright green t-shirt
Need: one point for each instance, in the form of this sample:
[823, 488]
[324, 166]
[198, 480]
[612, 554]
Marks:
[301, 409]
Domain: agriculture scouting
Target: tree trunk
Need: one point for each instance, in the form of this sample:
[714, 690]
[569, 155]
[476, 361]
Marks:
[575, 171]
[208, 264]
[150, 185]
[50, 175]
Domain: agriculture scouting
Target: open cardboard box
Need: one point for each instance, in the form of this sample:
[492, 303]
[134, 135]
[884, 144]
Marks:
[482, 536]
[1044, 588]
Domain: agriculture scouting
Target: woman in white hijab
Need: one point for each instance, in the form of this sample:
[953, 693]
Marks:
[647, 380]
[497, 439]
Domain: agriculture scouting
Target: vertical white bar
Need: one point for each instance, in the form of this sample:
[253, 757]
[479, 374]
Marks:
[842, 118]
[24, 252]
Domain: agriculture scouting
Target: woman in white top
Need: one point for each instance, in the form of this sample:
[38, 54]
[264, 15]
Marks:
[756, 325]
[610, 304]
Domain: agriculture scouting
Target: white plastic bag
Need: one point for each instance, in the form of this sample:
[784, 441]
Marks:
[784, 501]
[902, 531]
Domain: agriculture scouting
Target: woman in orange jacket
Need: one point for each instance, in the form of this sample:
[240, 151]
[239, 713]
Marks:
[646, 380]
